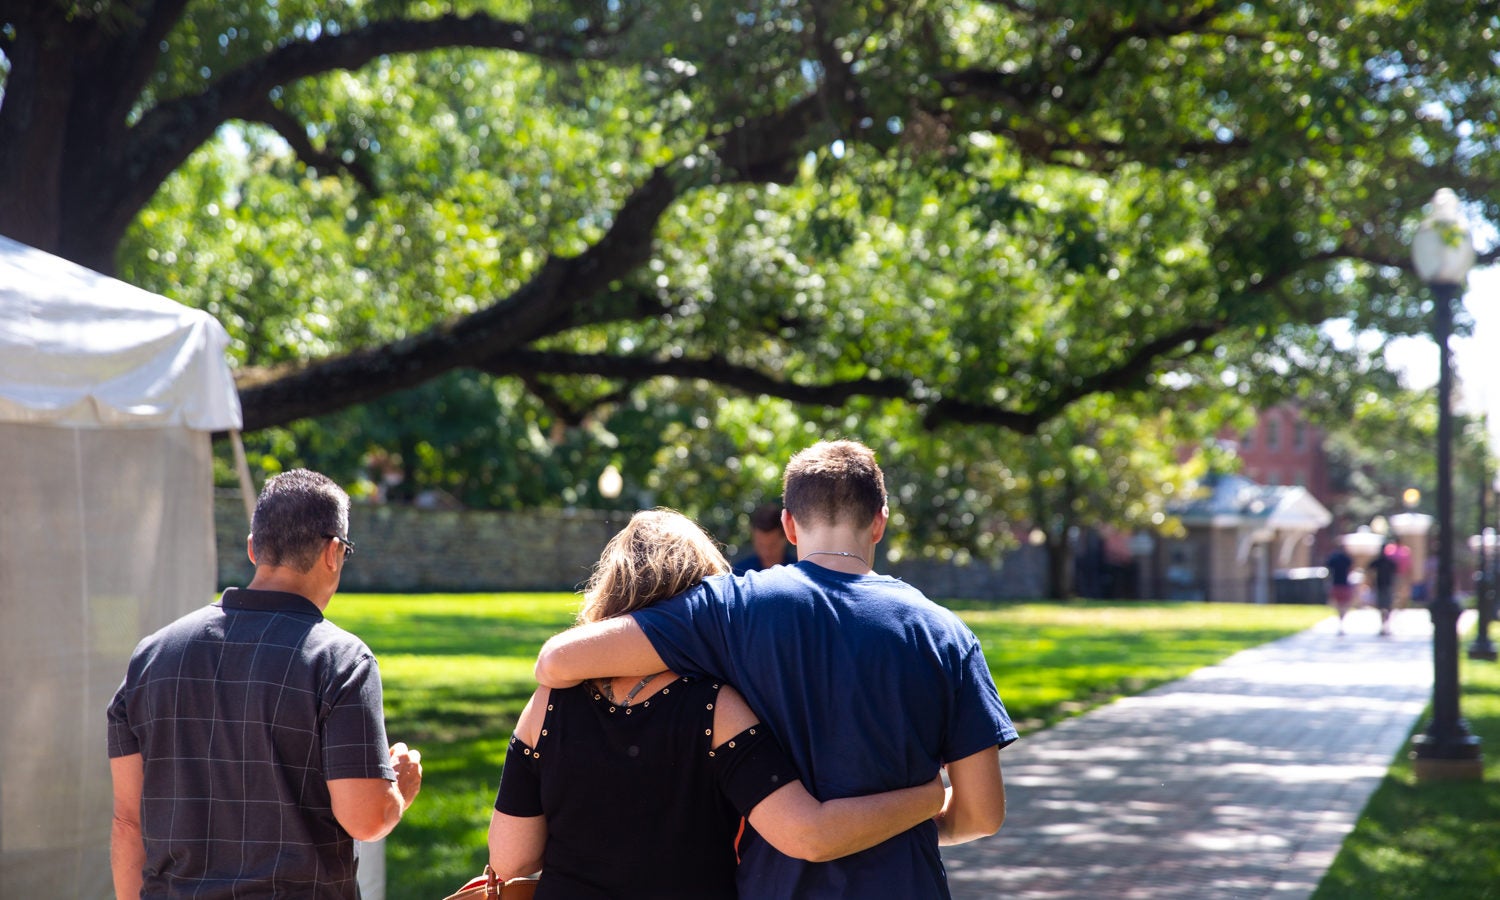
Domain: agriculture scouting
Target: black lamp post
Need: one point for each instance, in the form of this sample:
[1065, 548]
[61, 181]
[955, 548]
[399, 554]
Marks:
[1484, 585]
[1442, 252]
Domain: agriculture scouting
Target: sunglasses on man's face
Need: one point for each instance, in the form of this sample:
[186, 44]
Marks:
[348, 544]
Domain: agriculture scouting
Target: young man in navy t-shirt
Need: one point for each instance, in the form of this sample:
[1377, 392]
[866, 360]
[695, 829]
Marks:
[868, 684]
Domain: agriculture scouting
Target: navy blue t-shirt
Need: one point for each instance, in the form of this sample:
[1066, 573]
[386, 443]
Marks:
[869, 685]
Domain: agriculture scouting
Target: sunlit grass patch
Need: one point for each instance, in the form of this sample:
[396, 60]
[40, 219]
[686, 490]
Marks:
[1435, 840]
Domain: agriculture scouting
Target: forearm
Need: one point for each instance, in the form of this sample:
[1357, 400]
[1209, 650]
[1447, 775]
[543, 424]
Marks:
[392, 808]
[975, 804]
[852, 824]
[797, 824]
[127, 858]
[957, 827]
[367, 808]
[614, 647]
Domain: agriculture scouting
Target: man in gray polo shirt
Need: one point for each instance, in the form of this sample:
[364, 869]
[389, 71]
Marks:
[247, 743]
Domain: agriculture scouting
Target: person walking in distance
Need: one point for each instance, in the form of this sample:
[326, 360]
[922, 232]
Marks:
[247, 741]
[1340, 590]
[1384, 568]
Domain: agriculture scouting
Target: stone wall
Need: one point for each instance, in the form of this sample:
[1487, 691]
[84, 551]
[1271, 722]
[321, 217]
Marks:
[406, 550]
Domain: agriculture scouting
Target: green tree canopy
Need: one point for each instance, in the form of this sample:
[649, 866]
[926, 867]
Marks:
[985, 210]
[574, 233]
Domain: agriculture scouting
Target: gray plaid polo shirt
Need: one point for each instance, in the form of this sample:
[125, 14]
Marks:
[243, 711]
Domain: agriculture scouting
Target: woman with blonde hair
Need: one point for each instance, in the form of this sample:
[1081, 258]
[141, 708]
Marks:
[640, 787]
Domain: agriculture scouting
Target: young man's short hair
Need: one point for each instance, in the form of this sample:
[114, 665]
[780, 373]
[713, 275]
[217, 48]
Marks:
[834, 482]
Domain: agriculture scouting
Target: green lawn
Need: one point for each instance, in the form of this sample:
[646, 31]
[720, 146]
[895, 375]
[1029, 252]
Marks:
[457, 669]
[1431, 841]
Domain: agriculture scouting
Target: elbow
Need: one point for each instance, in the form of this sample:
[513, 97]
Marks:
[543, 671]
[510, 867]
[808, 843]
[990, 824]
[372, 825]
[548, 670]
[508, 863]
[369, 832]
[960, 827]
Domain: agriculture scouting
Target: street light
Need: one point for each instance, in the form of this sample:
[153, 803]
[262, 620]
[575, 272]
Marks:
[1483, 544]
[1442, 253]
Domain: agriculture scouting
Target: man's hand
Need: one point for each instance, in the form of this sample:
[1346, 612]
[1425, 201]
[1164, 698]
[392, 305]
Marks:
[408, 766]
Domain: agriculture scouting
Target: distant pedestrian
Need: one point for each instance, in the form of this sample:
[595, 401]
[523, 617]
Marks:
[1340, 591]
[1384, 567]
[769, 546]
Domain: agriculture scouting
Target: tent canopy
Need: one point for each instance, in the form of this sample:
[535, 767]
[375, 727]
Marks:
[84, 350]
[107, 397]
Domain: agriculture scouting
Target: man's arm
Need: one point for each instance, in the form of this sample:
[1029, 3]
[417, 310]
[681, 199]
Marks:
[370, 808]
[127, 851]
[611, 648]
[799, 825]
[975, 806]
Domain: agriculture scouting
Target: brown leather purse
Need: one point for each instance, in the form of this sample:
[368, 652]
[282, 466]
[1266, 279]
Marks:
[490, 887]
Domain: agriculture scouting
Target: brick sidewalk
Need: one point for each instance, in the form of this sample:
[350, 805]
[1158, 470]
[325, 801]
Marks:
[1239, 781]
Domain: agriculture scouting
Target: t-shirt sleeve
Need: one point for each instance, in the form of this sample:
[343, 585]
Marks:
[122, 740]
[750, 767]
[354, 743]
[979, 717]
[520, 791]
[689, 632]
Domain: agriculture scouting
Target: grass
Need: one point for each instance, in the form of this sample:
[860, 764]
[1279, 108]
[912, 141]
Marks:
[457, 670]
[1434, 840]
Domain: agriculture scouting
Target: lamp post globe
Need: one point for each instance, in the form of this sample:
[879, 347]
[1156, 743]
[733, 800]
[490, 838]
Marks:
[1442, 253]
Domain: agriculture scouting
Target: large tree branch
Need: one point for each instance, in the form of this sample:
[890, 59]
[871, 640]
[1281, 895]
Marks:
[565, 292]
[129, 59]
[295, 134]
[540, 307]
[718, 370]
[1128, 373]
[170, 131]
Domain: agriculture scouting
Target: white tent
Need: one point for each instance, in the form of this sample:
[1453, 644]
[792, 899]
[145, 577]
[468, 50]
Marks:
[108, 394]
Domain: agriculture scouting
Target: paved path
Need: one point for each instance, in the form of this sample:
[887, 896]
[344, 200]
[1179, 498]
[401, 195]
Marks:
[1239, 781]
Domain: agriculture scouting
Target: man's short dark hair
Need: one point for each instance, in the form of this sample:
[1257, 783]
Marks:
[766, 517]
[835, 482]
[296, 513]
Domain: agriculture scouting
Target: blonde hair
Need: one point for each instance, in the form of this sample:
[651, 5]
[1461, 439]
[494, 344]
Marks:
[659, 554]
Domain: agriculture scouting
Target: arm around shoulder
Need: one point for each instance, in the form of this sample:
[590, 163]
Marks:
[612, 647]
[798, 824]
[975, 805]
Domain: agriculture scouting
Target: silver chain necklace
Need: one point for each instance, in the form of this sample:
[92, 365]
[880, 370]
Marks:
[609, 693]
[836, 553]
